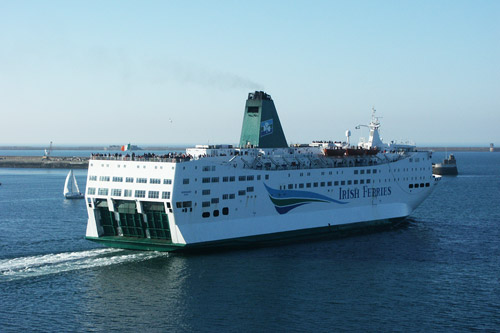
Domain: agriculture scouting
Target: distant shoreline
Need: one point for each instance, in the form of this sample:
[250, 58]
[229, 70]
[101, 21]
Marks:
[37, 162]
[94, 148]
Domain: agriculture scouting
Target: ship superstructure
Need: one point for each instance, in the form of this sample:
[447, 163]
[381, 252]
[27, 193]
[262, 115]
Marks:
[261, 191]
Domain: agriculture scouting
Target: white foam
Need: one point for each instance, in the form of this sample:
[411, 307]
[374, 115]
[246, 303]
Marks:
[23, 267]
[52, 258]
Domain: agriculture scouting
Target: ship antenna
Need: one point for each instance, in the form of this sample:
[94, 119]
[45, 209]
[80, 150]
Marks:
[375, 119]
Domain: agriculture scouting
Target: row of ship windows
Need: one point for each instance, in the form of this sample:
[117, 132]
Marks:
[362, 172]
[341, 183]
[128, 193]
[131, 180]
[206, 180]
[187, 206]
[412, 169]
[419, 185]
[226, 179]
[228, 196]
[341, 172]
[258, 177]
[225, 196]
[323, 184]
[225, 211]
[208, 168]
[374, 171]
[216, 179]
[164, 195]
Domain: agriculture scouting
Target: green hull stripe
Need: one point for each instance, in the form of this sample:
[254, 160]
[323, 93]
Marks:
[293, 201]
[285, 237]
[132, 243]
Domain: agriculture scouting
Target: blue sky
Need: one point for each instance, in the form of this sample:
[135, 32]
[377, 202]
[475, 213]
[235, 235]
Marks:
[114, 72]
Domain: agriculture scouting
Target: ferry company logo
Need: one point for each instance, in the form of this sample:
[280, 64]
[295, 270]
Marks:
[266, 127]
[286, 200]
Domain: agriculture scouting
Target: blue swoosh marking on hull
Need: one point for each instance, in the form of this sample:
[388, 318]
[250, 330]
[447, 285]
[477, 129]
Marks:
[289, 194]
[278, 195]
[286, 209]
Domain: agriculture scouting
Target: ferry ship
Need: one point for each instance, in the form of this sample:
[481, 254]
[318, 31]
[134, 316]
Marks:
[260, 192]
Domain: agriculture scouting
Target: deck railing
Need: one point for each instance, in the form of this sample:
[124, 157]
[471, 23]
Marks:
[171, 158]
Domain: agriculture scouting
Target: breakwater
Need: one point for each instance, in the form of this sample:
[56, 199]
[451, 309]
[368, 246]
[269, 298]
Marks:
[40, 162]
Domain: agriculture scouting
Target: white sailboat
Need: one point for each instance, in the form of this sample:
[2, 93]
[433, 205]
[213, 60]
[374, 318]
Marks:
[71, 190]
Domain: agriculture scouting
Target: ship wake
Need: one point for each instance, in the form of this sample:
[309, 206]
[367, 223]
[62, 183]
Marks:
[33, 266]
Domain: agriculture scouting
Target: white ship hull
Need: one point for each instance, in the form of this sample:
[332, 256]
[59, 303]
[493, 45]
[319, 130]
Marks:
[254, 214]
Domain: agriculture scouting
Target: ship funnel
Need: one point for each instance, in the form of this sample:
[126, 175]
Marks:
[261, 124]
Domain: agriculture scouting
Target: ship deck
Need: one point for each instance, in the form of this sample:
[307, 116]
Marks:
[256, 161]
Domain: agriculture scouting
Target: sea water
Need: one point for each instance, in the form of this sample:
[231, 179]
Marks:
[439, 271]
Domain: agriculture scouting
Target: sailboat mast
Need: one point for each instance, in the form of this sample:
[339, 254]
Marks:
[77, 190]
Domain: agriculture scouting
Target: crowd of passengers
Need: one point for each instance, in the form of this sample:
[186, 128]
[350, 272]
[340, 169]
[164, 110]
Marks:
[153, 156]
[143, 157]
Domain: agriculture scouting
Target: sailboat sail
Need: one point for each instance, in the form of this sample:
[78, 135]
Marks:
[77, 190]
[71, 190]
[67, 184]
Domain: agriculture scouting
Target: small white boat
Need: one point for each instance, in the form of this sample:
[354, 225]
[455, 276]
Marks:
[71, 190]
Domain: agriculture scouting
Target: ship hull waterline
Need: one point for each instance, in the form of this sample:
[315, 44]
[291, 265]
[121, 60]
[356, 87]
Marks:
[445, 171]
[265, 240]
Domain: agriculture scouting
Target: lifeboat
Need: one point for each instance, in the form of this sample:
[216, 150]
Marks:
[359, 151]
[355, 151]
[334, 151]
